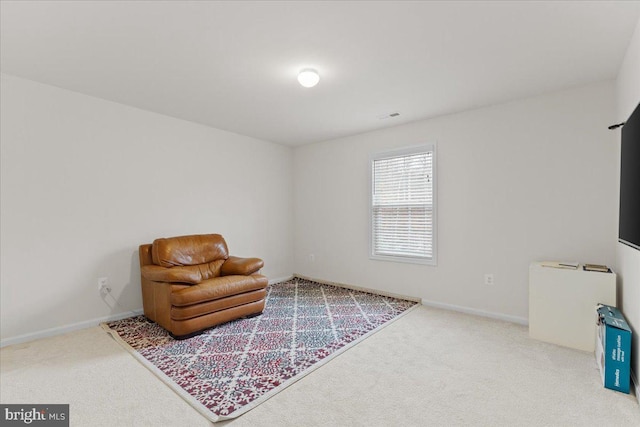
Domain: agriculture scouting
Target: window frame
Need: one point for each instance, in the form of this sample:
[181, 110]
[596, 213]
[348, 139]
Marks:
[430, 147]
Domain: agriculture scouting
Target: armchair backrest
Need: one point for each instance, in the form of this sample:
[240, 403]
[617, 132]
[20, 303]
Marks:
[189, 250]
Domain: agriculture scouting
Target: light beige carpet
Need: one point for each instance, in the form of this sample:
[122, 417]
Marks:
[431, 367]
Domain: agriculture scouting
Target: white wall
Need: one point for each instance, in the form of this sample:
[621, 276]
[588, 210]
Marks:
[528, 180]
[85, 181]
[627, 258]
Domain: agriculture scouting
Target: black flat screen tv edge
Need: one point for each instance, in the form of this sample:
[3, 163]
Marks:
[629, 220]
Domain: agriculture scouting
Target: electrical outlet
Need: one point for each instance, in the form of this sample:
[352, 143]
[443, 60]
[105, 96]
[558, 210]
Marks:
[103, 285]
[488, 279]
[312, 257]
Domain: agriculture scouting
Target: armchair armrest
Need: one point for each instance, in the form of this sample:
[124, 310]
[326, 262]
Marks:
[241, 266]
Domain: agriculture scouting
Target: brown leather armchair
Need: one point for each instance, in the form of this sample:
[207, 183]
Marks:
[190, 283]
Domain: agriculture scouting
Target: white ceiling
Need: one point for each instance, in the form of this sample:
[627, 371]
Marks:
[233, 65]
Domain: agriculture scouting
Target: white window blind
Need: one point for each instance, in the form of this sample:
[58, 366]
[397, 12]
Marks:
[402, 205]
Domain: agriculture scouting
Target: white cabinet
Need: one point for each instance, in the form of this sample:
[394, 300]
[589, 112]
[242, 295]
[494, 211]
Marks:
[562, 304]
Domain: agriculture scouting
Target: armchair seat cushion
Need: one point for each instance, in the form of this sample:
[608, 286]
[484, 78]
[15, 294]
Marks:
[193, 274]
[219, 287]
[196, 310]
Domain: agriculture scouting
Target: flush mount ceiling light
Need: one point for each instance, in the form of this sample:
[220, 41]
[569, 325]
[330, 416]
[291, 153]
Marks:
[308, 77]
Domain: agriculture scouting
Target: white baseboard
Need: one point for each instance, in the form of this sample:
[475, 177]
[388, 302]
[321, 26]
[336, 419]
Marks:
[280, 279]
[59, 330]
[358, 288]
[476, 312]
[451, 307]
[94, 322]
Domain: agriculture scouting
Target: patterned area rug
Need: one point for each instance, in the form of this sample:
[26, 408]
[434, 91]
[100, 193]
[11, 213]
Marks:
[231, 368]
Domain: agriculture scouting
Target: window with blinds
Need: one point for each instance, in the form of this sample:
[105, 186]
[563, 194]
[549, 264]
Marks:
[403, 205]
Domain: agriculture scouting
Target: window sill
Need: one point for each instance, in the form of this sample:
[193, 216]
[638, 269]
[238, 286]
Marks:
[406, 260]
